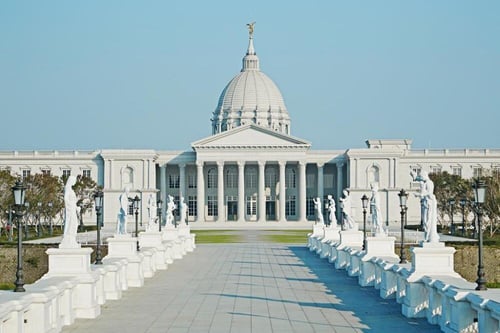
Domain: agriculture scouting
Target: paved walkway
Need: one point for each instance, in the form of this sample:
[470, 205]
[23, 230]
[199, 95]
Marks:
[257, 287]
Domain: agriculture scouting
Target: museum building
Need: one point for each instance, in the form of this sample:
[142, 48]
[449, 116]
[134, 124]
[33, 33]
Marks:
[251, 169]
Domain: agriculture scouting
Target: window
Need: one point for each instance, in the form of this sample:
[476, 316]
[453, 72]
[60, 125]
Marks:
[270, 178]
[290, 178]
[328, 179]
[46, 172]
[26, 173]
[252, 205]
[86, 173]
[310, 211]
[212, 178]
[310, 180]
[416, 170]
[252, 178]
[477, 171]
[436, 169]
[192, 205]
[192, 181]
[174, 181]
[177, 205]
[231, 178]
[130, 206]
[212, 205]
[290, 205]
[66, 173]
[495, 171]
[456, 170]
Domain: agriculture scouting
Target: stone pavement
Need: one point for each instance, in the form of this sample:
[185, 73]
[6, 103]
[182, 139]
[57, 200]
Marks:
[252, 287]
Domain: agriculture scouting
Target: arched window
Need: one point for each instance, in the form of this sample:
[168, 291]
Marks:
[212, 178]
[270, 177]
[231, 178]
[251, 178]
[290, 178]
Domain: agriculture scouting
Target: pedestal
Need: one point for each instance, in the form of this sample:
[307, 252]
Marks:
[125, 246]
[75, 262]
[348, 239]
[380, 247]
[172, 236]
[154, 239]
[429, 259]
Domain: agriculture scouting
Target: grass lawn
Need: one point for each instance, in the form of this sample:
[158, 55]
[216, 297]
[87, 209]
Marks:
[217, 236]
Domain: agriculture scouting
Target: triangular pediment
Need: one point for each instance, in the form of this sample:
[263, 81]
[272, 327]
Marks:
[250, 136]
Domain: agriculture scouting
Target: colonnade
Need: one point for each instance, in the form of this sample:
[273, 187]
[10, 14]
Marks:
[297, 193]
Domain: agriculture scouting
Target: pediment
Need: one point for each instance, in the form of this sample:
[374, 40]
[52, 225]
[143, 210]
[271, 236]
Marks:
[250, 137]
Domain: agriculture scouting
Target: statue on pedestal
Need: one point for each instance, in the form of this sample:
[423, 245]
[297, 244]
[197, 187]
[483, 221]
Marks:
[152, 213]
[318, 210]
[346, 205]
[171, 206]
[331, 212]
[184, 211]
[121, 225]
[375, 211]
[70, 215]
[428, 206]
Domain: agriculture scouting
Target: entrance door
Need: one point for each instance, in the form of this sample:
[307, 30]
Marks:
[232, 210]
[252, 208]
[271, 210]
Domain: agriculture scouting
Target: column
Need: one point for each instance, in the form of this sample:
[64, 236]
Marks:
[340, 188]
[220, 192]
[163, 191]
[110, 174]
[261, 206]
[302, 191]
[321, 189]
[182, 180]
[282, 194]
[241, 191]
[200, 192]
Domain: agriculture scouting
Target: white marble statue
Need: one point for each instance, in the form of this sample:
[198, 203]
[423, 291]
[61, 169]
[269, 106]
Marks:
[152, 212]
[346, 205]
[121, 225]
[378, 224]
[331, 212]
[428, 206]
[70, 215]
[318, 210]
[171, 206]
[184, 211]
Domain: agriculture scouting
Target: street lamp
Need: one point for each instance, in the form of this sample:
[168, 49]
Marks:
[364, 201]
[19, 191]
[136, 201]
[463, 202]
[98, 200]
[51, 228]
[479, 187]
[403, 197]
[451, 203]
[39, 224]
[158, 207]
[26, 227]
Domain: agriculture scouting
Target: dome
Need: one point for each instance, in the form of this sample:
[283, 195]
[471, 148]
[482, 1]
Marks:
[251, 97]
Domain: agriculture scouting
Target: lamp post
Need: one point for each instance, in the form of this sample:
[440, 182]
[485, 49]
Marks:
[39, 222]
[364, 201]
[51, 228]
[463, 202]
[26, 227]
[403, 197]
[136, 201]
[479, 187]
[158, 207]
[98, 200]
[451, 203]
[19, 191]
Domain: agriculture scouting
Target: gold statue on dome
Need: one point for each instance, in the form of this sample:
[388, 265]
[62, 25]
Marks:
[250, 28]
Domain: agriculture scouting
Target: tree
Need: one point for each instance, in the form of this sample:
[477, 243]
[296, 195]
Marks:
[492, 201]
[84, 190]
[6, 198]
[448, 186]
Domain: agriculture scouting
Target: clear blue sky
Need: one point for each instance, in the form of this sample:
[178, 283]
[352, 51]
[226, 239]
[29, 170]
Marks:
[147, 74]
